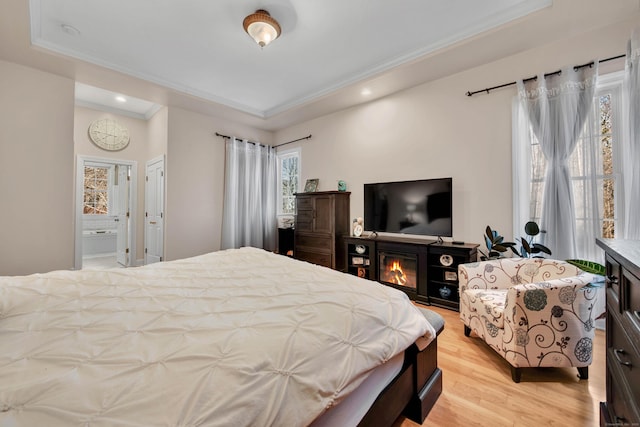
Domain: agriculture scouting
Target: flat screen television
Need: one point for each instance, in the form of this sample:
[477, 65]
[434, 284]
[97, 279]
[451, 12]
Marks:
[420, 207]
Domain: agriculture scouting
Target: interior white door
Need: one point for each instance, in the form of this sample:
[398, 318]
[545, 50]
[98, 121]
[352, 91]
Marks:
[121, 191]
[154, 211]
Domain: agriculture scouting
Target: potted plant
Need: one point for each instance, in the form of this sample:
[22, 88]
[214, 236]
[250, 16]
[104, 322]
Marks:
[529, 249]
[496, 246]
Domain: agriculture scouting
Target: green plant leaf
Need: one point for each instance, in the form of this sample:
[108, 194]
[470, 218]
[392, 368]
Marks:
[531, 228]
[588, 266]
[489, 233]
[542, 248]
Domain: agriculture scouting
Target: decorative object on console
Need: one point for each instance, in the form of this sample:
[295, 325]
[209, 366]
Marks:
[311, 185]
[534, 312]
[108, 134]
[358, 227]
[446, 260]
[445, 293]
[450, 276]
[342, 186]
[261, 27]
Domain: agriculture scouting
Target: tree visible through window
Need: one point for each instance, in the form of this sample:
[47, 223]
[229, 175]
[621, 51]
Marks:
[96, 194]
[288, 180]
[608, 176]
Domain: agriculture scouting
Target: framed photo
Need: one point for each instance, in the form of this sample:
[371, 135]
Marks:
[362, 272]
[311, 185]
[356, 260]
[450, 276]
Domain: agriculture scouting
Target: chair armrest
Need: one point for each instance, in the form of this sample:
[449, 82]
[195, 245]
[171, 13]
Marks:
[555, 298]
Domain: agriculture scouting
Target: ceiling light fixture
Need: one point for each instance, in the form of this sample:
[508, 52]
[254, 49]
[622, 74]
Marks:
[261, 27]
[121, 98]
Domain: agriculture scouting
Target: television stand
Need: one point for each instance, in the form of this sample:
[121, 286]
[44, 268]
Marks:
[426, 270]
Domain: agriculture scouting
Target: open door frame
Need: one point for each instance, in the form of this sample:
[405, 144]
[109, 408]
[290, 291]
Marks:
[79, 192]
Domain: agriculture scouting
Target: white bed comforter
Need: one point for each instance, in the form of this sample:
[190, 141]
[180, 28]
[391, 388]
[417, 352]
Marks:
[232, 338]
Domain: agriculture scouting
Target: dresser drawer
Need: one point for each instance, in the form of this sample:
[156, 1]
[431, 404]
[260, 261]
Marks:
[622, 356]
[632, 287]
[304, 203]
[619, 408]
[314, 241]
[306, 216]
[613, 276]
[314, 257]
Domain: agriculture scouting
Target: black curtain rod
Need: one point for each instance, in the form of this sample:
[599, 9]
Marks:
[577, 67]
[272, 146]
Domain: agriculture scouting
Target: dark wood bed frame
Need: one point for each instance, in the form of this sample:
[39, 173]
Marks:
[412, 393]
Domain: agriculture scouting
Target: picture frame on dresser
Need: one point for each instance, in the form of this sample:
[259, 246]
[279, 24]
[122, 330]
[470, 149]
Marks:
[311, 185]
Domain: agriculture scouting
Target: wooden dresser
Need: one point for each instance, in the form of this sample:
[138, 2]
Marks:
[623, 333]
[322, 220]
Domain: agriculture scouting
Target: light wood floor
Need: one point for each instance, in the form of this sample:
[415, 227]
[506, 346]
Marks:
[478, 390]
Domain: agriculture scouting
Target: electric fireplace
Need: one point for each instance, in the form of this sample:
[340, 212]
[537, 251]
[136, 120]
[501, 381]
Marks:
[400, 269]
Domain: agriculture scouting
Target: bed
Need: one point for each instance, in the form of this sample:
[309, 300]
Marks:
[240, 337]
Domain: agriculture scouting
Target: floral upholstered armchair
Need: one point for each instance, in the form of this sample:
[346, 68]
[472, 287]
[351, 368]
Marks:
[534, 312]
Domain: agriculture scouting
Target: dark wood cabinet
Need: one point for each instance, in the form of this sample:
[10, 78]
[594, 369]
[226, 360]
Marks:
[285, 241]
[442, 272]
[322, 220]
[623, 333]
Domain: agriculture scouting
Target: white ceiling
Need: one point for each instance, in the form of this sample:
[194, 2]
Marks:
[194, 54]
[101, 99]
[199, 46]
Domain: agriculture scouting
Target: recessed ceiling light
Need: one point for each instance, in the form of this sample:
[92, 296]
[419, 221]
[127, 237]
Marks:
[365, 92]
[121, 98]
[70, 29]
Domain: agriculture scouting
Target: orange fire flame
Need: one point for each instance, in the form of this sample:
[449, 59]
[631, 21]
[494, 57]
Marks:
[396, 275]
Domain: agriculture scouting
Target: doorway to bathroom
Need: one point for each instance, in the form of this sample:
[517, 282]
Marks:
[105, 213]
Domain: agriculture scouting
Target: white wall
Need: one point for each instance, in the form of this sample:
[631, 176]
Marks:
[36, 170]
[195, 180]
[434, 130]
[157, 138]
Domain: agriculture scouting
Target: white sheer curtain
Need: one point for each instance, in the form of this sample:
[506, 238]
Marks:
[249, 212]
[587, 169]
[631, 150]
[556, 108]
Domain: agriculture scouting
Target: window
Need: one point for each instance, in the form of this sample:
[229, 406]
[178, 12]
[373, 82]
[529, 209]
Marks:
[288, 180]
[96, 190]
[595, 171]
